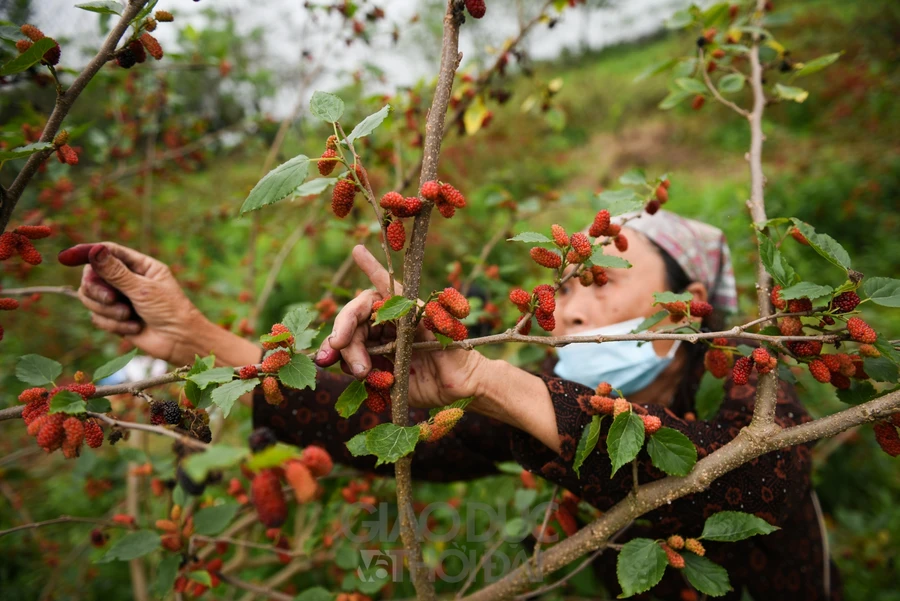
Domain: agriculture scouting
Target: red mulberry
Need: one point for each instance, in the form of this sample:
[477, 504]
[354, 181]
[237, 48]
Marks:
[276, 361]
[651, 424]
[840, 381]
[546, 258]
[803, 348]
[600, 224]
[718, 362]
[268, 499]
[603, 404]
[520, 298]
[662, 194]
[443, 322]
[675, 541]
[741, 372]
[33, 395]
[301, 481]
[476, 8]
[845, 302]
[888, 439]
[66, 154]
[163, 16]
[820, 371]
[85, 391]
[799, 305]
[411, 207]
[761, 356]
[545, 320]
[7, 245]
[447, 211]
[697, 104]
[318, 460]
[652, 207]
[790, 326]
[675, 560]
[600, 275]
[152, 46]
[248, 372]
[799, 237]
[604, 389]
[581, 245]
[27, 251]
[327, 162]
[546, 297]
[621, 242]
[34, 232]
[560, 238]
[93, 433]
[452, 196]
[23, 45]
[860, 331]
[396, 235]
[392, 201]
[377, 400]
[272, 391]
[777, 301]
[700, 308]
[525, 330]
[51, 434]
[74, 430]
[455, 303]
[431, 191]
[380, 379]
[31, 32]
[342, 197]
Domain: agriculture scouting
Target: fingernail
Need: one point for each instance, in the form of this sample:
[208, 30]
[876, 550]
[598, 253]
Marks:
[320, 356]
[101, 255]
[358, 368]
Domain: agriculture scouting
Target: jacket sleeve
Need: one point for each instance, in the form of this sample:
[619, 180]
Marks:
[308, 417]
[771, 486]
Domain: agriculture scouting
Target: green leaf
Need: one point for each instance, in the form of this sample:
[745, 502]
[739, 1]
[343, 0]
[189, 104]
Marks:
[881, 369]
[9, 32]
[633, 177]
[219, 375]
[691, 85]
[315, 186]
[316, 593]
[887, 349]
[165, 575]
[270, 338]
[327, 107]
[671, 297]
[278, 184]
[99, 405]
[731, 526]
[715, 13]
[680, 19]
[609, 261]
[618, 202]
[37, 370]
[705, 576]
[673, 99]
[273, 456]
[131, 546]
[357, 445]
[824, 244]
[640, 566]
[211, 521]
[215, 457]
[111, 367]
[775, 263]
[298, 319]
[24, 151]
[201, 398]
[29, 58]
[444, 340]
[672, 452]
[625, 439]
[731, 83]
[225, 395]
[390, 442]
[103, 7]
[531, 238]
[393, 308]
[650, 321]
[201, 576]
[368, 125]
[300, 373]
[858, 393]
[587, 443]
[883, 291]
[709, 396]
[350, 400]
[806, 290]
[656, 69]
[66, 401]
[817, 64]
[791, 93]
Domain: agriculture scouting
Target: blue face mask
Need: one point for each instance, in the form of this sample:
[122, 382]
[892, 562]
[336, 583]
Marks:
[626, 365]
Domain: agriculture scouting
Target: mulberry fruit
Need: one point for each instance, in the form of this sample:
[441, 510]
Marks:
[799, 305]
[697, 104]
[261, 439]
[31, 32]
[775, 296]
[662, 194]
[152, 46]
[652, 207]
[51, 434]
[581, 245]
[621, 242]
[248, 372]
[694, 546]
[600, 224]
[803, 348]
[392, 201]
[171, 413]
[93, 433]
[717, 362]
[790, 326]
[520, 298]
[7, 245]
[74, 430]
[675, 560]
[125, 58]
[268, 500]
[651, 424]
[603, 404]
[150, 24]
[34, 232]
[545, 297]
[867, 350]
[156, 414]
[318, 460]
[845, 302]
[799, 237]
[860, 331]
[566, 521]
[761, 357]
[546, 258]
[447, 418]
[447, 211]
[342, 197]
[620, 406]
[327, 162]
[276, 361]
[455, 303]
[840, 381]
[452, 196]
[380, 379]
[66, 154]
[573, 258]
[741, 371]
[476, 8]
[600, 275]
[411, 207]
[888, 439]
[301, 481]
[820, 371]
[558, 233]
[98, 538]
[586, 278]
[675, 541]
[27, 251]
[604, 389]
[700, 308]
[37, 422]
[525, 329]
[272, 391]
[545, 320]
[163, 16]
[431, 191]
[85, 391]
[396, 235]
[443, 322]
[276, 330]
[33, 395]
[140, 55]
[23, 45]
[377, 400]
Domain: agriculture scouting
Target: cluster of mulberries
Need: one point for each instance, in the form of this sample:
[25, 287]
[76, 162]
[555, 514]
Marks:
[442, 315]
[278, 329]
[399, 207]
[441, 424]
[679, 309]
[59, 430]
[19, 241]
[577, 248]
[603, 404]
[660, 197]
[718, 361]
[378, 386]
[135, 51]
[763, 361]
[51, 57]
[837, 369]
[602, 226]
[445, 197]
[544, 305]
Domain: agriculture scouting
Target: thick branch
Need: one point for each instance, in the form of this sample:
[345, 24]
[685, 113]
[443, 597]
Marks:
[64, 102]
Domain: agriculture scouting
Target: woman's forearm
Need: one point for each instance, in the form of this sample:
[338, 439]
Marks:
[229, 349]
[518, 398]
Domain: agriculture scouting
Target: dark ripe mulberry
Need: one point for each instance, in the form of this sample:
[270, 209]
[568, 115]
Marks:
[799, 305]
[476, 8]
[138, 49]
[189, 485]
[171, 412]
[125, 58]
[261, 438]
[845, 302]
[156, 413]
[203, 434]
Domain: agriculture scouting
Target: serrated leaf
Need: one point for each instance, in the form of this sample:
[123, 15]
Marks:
[531, 238]
[599, 258]
[103, 7]
[805, 290]
[131, 546]
[650, 321]
[680, 19]
[351, 398]
[165, 575]
[883, 291]
[672, 452]
[881, 369]
[887, 349]
[774, 262]
[24, 151]
[327, 107]
[211, 521]
[731, 83]
[66, 401]
[278, 184]
[215, 457]
[791, 93]
[691, 85]
[671, 297]
[315, 186]
[369, 124]
[225, 395]
[824, 244]
[389, 442]
[393, 308]
[587, 443]
[200, 398]
[300, 373]
[29, 58]
[705, 576]
[633, 177]
[816, 65]
[625, 439]
[219, 375]
[858, 393]
[656, 69]
[640, 566]
[618, 202]
[99, 405]
[114, 365]
[273, 456]
[201, 576]
[731, 526]
[357, 445]
[37, 370]
[709, 396]
[298, 319]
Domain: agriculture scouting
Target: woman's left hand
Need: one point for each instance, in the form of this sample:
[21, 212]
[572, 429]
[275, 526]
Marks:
[437, 378]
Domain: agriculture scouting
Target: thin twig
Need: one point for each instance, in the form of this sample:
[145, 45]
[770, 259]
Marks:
[63, 519]
[255, 588]
[543, 531]
[64, 290]
[485, 252]
[715, 92]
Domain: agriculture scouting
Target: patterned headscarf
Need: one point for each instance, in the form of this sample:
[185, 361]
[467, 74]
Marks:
[699, 248]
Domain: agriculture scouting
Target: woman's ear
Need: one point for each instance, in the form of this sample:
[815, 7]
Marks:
[698, 290]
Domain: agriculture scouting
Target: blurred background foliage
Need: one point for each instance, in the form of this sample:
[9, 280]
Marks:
[832, 161]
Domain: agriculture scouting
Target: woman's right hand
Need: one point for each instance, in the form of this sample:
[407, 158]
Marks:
[136, 296]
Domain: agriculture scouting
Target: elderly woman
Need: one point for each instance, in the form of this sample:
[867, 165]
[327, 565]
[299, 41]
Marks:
[535, 419]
